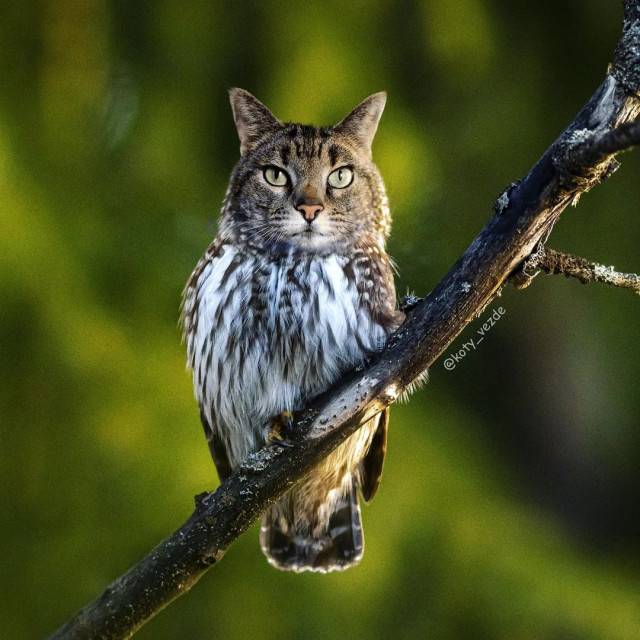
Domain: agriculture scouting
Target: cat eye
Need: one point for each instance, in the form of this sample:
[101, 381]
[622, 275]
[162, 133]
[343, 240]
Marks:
[276, 176]
[340, 178]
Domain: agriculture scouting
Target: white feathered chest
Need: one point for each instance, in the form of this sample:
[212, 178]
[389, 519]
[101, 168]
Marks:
[267, 332]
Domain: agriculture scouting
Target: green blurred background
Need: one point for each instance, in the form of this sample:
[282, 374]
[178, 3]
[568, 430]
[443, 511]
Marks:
[510, 506]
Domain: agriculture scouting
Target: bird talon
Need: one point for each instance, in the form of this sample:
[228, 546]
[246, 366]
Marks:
[274, 437]
[281, 423]
[287, 420]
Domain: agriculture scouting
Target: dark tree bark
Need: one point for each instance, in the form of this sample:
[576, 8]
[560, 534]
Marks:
[524, 215]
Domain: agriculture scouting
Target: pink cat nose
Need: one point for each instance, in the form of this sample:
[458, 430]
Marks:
[310, 211]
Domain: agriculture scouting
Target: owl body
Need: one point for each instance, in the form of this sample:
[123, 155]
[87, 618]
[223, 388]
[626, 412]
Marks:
[271, 333]
[294, 292]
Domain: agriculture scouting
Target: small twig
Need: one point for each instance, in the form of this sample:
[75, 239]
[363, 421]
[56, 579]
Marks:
[552, 262]
[595, 147]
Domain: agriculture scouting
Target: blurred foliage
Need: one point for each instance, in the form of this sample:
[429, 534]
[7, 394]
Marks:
[510, 505]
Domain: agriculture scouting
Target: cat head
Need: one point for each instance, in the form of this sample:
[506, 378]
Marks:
[303, 187]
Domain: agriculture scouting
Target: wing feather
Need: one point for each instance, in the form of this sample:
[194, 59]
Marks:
[372, 463]
[218, 449]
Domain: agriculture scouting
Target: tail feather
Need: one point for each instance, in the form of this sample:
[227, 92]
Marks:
[339, 546]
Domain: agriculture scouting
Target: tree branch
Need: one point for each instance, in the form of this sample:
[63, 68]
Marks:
[553, 262]
[525, 214]
[589, 148]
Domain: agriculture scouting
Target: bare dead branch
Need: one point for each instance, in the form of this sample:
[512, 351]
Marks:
[526, 213]
[554, 262]
[589, 149]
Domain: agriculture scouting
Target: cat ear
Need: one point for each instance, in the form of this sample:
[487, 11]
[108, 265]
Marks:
[362, 122]
[253, 119]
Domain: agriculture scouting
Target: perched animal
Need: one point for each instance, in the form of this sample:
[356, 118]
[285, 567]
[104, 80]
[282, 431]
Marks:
[295, 291]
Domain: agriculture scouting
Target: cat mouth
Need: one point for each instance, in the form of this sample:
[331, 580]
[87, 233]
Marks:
[309, 231]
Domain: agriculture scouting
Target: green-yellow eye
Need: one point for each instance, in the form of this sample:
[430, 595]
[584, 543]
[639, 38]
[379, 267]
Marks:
[276, 176]
[340, 178]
